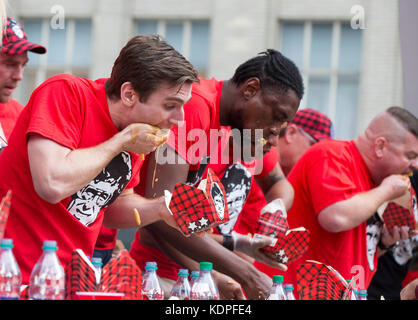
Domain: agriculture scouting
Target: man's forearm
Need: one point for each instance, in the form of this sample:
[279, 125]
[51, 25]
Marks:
[224, 260]
[348, 214]
[120, 215]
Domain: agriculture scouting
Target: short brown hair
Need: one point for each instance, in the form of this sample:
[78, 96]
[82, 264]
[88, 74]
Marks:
[405, 118]
[146, 62]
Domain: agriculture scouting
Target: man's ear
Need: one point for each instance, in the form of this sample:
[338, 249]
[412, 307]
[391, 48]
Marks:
[380, 144]
[128, 95]
[290, 133]
[250, 88]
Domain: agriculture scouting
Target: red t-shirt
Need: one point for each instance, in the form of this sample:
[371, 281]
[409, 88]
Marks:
[201, 115]
[256, 200]
[202, 112]
[74, 113]
[9, 112]
[328, 172]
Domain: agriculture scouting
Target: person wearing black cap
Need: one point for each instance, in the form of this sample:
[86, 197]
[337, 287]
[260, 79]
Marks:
[13, 58]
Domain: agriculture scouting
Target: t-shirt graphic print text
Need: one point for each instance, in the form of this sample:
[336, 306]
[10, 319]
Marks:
[86, 204]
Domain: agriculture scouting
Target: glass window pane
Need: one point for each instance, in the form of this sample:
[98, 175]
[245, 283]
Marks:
[292, 41]
[321, 45]
[82, 44]
[318, 93]
[350, 48]
[146, 27]
[346, 107]
[33, 29]
[199, 46]
[174, 35]
[57, 46]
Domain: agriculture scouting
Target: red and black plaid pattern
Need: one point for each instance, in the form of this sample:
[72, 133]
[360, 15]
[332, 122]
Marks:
[15, 40]
[194, 210]
[79, 276]
[396, 215]
[120, 275]
[271, 224]
[290, 246]
[4, 211]
[316, 281]
[315, 123]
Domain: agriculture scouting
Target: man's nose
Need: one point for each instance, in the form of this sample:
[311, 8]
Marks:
[18, 73]
[414, 164]
[177, 117]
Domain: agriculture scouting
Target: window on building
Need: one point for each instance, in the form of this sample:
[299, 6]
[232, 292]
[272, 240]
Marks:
[329, 57]
[189, 37]
[68, 51]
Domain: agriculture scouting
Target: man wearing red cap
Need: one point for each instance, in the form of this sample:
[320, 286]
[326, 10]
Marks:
[340, 185]
[13, 58]
[307, 128]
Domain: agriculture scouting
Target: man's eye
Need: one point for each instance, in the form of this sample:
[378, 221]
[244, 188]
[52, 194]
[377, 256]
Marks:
[170, 106]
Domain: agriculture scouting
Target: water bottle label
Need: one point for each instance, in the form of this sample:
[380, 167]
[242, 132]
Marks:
[9, 298]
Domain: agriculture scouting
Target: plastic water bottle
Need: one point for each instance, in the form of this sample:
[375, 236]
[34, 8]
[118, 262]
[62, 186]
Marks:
[204, 287]
[98, 264]
[47, 280]
[276, 292]
[362, 294]
[10, 277]
[288, 290]
[353, 293]
[151, 288]
[193, 277]
[181, 289]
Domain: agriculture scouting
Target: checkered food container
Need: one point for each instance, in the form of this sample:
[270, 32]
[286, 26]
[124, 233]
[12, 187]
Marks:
[201, 208]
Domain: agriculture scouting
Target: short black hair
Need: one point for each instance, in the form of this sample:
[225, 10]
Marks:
[274, 71]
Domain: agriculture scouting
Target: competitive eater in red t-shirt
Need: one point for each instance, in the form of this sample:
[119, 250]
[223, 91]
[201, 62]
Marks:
[263, 94]
[339, 186]
[307, 128]
[74, 156]
[13, 59]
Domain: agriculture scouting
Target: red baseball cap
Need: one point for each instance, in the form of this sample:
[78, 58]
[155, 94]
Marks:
[15, 40]
[315, 123]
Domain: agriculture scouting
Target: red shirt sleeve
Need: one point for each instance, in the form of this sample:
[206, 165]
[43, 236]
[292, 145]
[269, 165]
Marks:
[56, 113]
[330, 176]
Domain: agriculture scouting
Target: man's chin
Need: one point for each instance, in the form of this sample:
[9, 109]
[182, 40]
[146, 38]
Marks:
[5, 99]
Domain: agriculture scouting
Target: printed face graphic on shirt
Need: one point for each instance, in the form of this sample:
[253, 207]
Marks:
[373, 231]
[237, 183]
[403, 252]
[86, 204]
[218, 200]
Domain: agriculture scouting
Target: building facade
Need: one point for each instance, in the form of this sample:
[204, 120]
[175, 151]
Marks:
[348, 50]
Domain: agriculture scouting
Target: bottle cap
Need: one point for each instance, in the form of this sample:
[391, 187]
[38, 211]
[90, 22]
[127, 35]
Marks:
[151, 265]
[194, 274]
[278, 279]
[206, 266]
[49, 245]
[6, 243]
[97, 261]
[288, 286]
[362, 292]
[183, 272]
